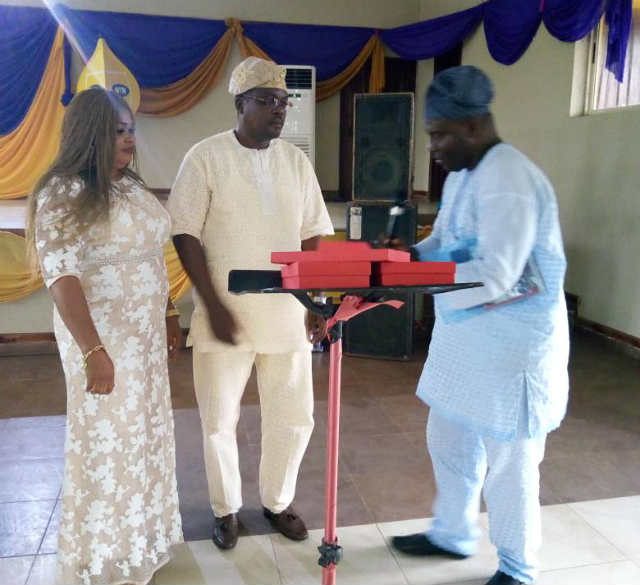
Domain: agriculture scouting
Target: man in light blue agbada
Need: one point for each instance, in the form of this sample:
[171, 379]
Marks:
[496, 375]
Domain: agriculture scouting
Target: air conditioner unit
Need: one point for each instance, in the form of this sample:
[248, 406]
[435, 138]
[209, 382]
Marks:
[300, 126]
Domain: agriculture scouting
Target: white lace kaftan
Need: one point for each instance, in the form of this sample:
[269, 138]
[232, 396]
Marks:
[120, 502]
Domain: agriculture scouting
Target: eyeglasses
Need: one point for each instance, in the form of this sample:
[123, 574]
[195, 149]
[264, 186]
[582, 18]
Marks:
[271, 101]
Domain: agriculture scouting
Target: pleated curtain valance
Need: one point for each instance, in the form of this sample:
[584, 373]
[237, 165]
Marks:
[178, 60]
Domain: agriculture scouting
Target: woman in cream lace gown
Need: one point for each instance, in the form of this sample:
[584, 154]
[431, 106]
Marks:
[99, 236]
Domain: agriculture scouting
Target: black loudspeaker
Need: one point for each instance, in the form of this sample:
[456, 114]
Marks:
[382, 332]
[382, 146]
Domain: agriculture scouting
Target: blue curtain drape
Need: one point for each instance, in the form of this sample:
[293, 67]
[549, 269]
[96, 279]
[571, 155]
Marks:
[26, 37]
[68, 93]
[570, 20]
[619, 16]
[329, 48]
[509, 27]
[158, 50]
[430, 38]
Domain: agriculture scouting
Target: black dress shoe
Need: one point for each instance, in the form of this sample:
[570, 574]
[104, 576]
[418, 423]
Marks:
[288, 523]
[420, 546]
[225, 531]
[501, 578]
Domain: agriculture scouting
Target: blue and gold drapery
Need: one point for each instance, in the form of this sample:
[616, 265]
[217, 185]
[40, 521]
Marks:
[26, 39]
[363, 44]
[162, 50]
[34, 76]
[174, 56]
[178, 60]
[171, 56]
[175, 60]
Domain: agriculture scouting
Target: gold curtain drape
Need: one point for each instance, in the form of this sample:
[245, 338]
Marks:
[17, 281]
[179, 282]
[27, 152]
[374, 49]
[247, 47]
[182, 95]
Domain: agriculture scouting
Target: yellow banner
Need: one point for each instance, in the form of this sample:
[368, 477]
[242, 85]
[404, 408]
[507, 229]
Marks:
[17, 281]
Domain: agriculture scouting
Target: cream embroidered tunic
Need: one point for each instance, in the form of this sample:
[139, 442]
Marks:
[242, 204]
[119, 502]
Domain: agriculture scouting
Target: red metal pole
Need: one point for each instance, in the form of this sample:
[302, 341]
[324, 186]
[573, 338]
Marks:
[333, 434]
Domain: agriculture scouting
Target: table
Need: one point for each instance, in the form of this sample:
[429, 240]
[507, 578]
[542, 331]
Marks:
[355, 301]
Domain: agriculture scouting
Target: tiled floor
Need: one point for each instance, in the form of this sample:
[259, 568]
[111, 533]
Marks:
[590, 479]
[587, 543]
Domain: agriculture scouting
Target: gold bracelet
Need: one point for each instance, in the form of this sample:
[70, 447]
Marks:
[93, 350]
[172, 313]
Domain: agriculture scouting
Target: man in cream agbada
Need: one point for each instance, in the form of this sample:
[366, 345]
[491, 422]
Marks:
[238, 196]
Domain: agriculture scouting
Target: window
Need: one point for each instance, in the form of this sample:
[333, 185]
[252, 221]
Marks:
[604, 92]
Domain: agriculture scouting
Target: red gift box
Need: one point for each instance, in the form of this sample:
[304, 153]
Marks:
[323, 268]
[415, 268]
[413, 273]
[326, 282]
[415, 279]
[341, 252]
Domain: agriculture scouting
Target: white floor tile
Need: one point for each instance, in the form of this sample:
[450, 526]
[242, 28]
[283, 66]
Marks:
[438, 571]
[390, 529]
[43, 571]
[617, 519]
[619, 573]
[33, 438]
[22, 526]
[587, 543]
[36, 422]
[15, 570]
[200, 563]
[366, 559]
[569, 541]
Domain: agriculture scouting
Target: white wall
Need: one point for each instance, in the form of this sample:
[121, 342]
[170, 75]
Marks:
[32, 314]
[591, 160]
[428, 9]
[424, 75]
